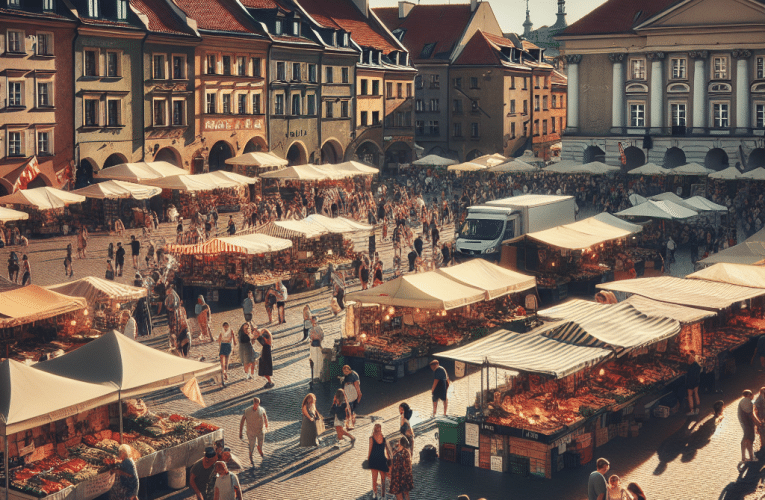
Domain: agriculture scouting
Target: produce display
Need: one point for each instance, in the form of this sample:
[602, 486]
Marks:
[233, 270]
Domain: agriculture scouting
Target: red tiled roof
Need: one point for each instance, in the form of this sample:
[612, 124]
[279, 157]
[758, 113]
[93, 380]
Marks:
[260, 4]
[479, 51]
[528, 45]
[293, 39]
[161, 17]
[343, 14]
[107, 22]
[213, 15]
[558, 79]
[426, 24]
[617, 16]
[500, 40]
[43, 15]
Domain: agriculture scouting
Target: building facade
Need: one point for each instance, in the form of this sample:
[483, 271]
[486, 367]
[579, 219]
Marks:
[686, 83]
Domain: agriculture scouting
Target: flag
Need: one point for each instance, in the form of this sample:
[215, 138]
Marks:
[64, 175]
[192, 391]
[623, 155]
[30, 173]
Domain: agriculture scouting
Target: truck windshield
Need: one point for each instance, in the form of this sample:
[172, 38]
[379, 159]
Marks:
[482, 229]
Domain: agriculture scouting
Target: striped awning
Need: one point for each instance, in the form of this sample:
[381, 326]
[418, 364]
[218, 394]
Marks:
[618, 326]
[688, 292]
[528, 353]
[682, 314]
[292, 229]
[586, 233]
[250, 244]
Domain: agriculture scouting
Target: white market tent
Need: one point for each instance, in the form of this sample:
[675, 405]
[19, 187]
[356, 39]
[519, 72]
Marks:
[748, 252]
[426, 290]
[528, 353]
[592, 168]
[258, 159]
[292, 229]
[33, 303]
[466, 167]
[300, 173]
[702, 204]
[434, 161]
[489, 160]
[8, 215]
[637, 199]
[683, 314]
[658, 210]
[691, 169]
[649, 169]
[225, 176]
[355, 168]
[586, 233]
[250, 244]
[758, 174]
[513, 166]
[339, 225]
[670, 196]
[93, 289]
[113, 190]
[139, 172]
[734, 274]
[42, 198]
[728, 174]
[688, 292]
[201, 182]
[494, 280]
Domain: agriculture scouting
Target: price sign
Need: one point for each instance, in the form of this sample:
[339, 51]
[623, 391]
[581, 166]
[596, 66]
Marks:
[472, 435]
[496, 464]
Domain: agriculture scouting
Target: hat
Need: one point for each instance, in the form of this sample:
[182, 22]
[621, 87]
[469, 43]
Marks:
[210, 452]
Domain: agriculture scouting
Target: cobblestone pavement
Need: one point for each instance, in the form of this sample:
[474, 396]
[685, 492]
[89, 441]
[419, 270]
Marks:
[674, 458]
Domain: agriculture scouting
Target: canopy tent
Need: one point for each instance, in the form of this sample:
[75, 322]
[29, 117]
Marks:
[670, 196]
[8, 215]
[688, 292]
[489, 160]
[734, 274]
[234, 177]
[201, 182]
[658, 210]
[139, 172]
[34, 303]
[636, 199]
[434, 161]
[126, 365]
[466, 167]
[429, 290]
[682, 314]
[513, 166]
[42, 198]
[592, 168]
[758, 174]
[250, 244]
[528, 353]
[292, 229]
[690, 169]
[258, 159]
[93, 289]
[728, 174]
[299, 173]
[30, 397]
[495, 281]
[338, 225]
[701, 204]
[748, 252]
[356, 168]
[586, 233]
[113, 190]
[649, 169]
[619, 326]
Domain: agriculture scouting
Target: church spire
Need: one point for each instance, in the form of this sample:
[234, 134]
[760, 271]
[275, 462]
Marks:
[527, 23]
[561, 21]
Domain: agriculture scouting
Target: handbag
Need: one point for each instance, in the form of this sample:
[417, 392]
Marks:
[320, 428]
[350, 393]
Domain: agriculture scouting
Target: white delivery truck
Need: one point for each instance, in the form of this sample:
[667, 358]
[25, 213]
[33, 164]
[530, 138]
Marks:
[487, 226]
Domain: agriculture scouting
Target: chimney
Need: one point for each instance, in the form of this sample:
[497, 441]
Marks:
[473, 5]
[404, 8]
[363, 6]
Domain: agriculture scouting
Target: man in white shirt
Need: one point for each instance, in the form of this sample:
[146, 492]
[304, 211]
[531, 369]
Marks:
[281, 298]
[316, 335]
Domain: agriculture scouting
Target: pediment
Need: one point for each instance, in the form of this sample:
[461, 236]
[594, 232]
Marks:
[708, 13]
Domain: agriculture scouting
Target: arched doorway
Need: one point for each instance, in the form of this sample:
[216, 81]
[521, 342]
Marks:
[254, 145]
[296, 154]
[3, 190]
[369, 152]
[756, 159]
[84, 175]
[37, 182]
[114, 159]
[594, 153]
[169, 155]
[716, 159]
[674, 157]
[398, 152]
[635, 157]
[331, 152]
[476, 153]
[219, 153]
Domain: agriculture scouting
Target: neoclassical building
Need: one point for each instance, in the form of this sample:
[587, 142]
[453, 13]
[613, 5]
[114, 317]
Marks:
[669, 82]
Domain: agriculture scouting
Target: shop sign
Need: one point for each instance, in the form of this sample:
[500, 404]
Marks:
[296, 133]
[472, 435]
[26, 450]
[233, 124]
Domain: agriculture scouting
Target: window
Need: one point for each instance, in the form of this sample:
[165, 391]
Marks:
[404, 119]
[637, 69]
[241, 66]
[536, 83]
[400, 90]
[295, 72]
[226, 104]
[344, 110]
[364, 118]
[561, 124]
[457, 130]
[720, 68]
[279, 104]
[179, 67]
[226, 65]
[15, 94]
[375, 117]
[562, 101]
[122, 7]
[637, 115]
[278, 26]
[49, 5]
[434, 105]
[296, 28]
[435, 82]
[346, 75]
[473, 82]
[759, 68]
[113, 113]
[679, 69]
[346, 39]
[524, 83]
[91, 63]
[312, 73]
[433, 127]
[389, 90]
[457, 85]
[179, 112]
[311, 104]
[330, 109]
[364, 85]
[720, 116]
[14, 4]
[759, 115]
[160, 113]
[544, 127]
[525, 107]
[554, 101]
[409, 90]
[536, 127]
[212, 64]
[159, 68]
[419, 127]
[242, 106]
[512, 130]
[281, 71]
[512, 107]
[512, 83]
[14, 144]
[329, 75]
[544, 103]
[256, 66]
[91, 113]
[296, 105]
[474, 130]
[44, 94]
[44, 44]
[457, 106]
[677, 114]
[256, 104]
[419, 105]
[210, 103]
[536, 103]
[419, 82]
[93, 8]
[552, 123]
[112, 65]
[43, 143]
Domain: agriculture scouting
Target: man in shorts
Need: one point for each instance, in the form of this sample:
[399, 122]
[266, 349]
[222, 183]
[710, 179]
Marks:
[257, 424]
[316, 334]
[749, 422]
[352, 387]
[440, 386]
[281, 298]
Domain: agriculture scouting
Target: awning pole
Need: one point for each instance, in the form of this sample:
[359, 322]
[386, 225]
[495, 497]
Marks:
[119, 403]
[5, 464]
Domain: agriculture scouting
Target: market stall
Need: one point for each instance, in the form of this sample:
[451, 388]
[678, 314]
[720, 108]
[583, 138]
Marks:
[750, 251]
[111, 200]
[49, 210]
[191, 194]
[255, 163]
[592, 168]
[140, 172]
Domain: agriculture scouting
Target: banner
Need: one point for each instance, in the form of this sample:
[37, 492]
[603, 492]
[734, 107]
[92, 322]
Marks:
[64, 175]
[30, 173]
[623, 156]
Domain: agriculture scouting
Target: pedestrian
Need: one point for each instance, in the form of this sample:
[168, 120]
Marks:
[401, 480]
[418, 245]
[231, 226]
[82, 242]
[759, 412]
[135, 249]
[671, 246]
[270, 302]
[378, 456]
[597, 489]
[226, 484]
[749, 422]
[119, 227]
[160, 290]
[26, 270]
[13, 267]
[248, 305]
[130, 325]
[257, 425]
[405, 424]
[202, 475]
[202, 311]
[434, 234]
[246, 351]
[364, 274]
[307, 325]
[616, 491]
[266, 363]
[225, 339]
[692, 381]
[109, 250]
[341, 412]
[637, 491]
[313, 424]
[182, 339]
[281, 299]
[316, 335]
[352, 387]
[759, 351]
[119, 259]
[109, 270]
[68, 272]
[378, 274]
[446, 252]
[412, 256]
[372, 243]
[150, 255]
[126, 483]
[440, 386]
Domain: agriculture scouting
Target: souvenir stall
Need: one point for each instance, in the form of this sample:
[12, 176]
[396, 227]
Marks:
[63, 443]
[350, 176]
[36, 322]
[191, 194]
[10, 219]
[111, 200]
[256, 163]
[576, 256]
[140, 172]
[50, 211]
[106, 299]
[392, 328]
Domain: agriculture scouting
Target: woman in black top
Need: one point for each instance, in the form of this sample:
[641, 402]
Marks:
[364, 274]
[378, 274]
[378, 456]
[266, 364]
[341, 411]
[406, 427]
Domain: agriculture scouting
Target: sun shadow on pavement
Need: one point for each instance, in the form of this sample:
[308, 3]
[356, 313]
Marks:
[685, 442]
[749, 478]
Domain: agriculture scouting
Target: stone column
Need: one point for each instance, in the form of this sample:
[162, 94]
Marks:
[699, 110]
[657, 92]
[572, 93]
[617, 93]
[743, 122]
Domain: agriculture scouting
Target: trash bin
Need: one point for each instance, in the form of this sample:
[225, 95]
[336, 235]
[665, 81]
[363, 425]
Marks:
[176, 478]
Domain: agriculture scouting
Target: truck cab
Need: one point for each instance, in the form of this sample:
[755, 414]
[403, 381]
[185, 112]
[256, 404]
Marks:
[485, 229]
